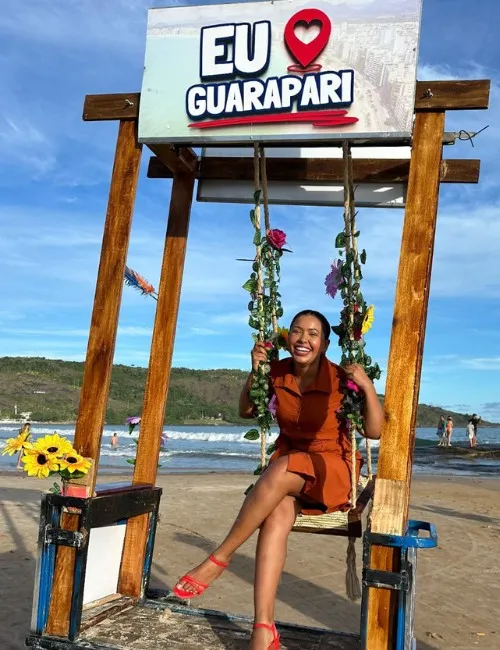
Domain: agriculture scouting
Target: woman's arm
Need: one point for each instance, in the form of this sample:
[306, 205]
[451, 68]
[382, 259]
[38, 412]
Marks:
[373, 413]
[259, 353]
[246, 406]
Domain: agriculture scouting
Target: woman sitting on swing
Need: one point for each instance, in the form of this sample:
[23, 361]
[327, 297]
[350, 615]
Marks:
[310, 471]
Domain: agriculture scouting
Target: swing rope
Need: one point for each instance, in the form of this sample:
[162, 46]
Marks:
[257, 175]
[353, 588]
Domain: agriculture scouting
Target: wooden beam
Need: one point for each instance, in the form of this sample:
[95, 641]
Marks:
[62, 584]
[405, 362]
[157, 382]
[329, 170]
[429, 95]
[107, 300]
[100, 350]
[118, 106]
[180, 159]
[452, 95]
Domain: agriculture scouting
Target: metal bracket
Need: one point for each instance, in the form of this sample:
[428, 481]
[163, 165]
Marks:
[62, 537]
[386, 579]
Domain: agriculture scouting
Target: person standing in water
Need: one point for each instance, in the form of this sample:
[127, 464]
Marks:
[475, 419]
[449, 431]
[114, 440]
[440, 428]
[470, 433]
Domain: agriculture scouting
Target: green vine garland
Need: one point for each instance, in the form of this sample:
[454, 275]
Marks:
[265, 304]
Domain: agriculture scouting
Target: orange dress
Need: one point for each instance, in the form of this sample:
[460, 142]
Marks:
[311, 437]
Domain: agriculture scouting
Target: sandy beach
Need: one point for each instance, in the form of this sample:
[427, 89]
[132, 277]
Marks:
[458, 583]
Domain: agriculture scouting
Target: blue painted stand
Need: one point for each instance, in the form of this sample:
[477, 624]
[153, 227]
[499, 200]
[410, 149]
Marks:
[402, 581]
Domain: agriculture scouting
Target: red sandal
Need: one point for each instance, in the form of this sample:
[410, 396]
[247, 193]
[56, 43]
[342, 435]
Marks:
[199, 586]
[275, 643]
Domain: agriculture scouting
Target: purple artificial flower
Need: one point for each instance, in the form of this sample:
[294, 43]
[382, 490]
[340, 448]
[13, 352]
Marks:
[334, 279]
[271, 407]
[132, 422]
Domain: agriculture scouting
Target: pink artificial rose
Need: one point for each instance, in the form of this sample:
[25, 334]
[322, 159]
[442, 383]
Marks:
[277, 238]
[352, 386]
[268, 345]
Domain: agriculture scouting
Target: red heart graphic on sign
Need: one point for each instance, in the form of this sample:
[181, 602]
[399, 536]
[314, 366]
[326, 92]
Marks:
[306, 53]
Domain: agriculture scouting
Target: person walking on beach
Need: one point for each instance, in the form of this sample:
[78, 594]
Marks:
[449, 431]
[471, 433]
[114, 440]
[309, 471]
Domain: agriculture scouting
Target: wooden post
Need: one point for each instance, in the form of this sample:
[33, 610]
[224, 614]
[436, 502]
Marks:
[160, 362]
[405, 362]
[100, 350]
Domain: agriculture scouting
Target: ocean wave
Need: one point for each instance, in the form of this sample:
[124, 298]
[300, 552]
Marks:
[129, 452]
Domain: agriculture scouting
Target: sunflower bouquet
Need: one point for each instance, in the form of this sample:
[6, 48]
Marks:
[48, 456]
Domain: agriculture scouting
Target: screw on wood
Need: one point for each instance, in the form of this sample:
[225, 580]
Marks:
[128, 102]
[428, 94]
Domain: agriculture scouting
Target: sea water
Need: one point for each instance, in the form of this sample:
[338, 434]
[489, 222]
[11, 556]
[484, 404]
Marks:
[224, 448]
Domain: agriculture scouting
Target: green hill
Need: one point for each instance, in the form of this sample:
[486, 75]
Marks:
[50, 390]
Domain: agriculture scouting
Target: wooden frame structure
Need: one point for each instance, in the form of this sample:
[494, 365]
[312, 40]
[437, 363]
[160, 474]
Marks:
[424, 173]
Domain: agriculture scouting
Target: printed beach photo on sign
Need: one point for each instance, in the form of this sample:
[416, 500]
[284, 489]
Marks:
[274, 71]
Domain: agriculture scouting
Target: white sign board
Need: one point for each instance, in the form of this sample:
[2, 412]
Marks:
[280, 71]
[367, 195]
[103, 562]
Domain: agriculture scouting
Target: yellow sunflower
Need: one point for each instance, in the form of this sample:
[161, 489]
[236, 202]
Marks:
[54, 445]
[368, 319]
[14, 445]
[38, 463]
[283, 338]
[73, 462]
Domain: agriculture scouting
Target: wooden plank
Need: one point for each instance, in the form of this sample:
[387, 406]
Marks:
[389, 507]
[107, 510]
[100, 350]
[157, 382]
[117, 106]
[62, 586]
[104, 324]
[452, 95]
[303, 170]
[429, 95]
[405, 356]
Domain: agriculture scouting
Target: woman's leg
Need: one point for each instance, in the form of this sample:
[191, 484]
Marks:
[273, 485]
[269, 562]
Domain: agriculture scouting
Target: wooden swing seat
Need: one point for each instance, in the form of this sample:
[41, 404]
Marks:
[343, 524]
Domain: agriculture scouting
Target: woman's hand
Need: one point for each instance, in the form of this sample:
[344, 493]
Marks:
[259, 353]
[357, 374]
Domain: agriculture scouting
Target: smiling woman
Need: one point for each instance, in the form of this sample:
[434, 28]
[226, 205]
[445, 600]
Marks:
[314, 467]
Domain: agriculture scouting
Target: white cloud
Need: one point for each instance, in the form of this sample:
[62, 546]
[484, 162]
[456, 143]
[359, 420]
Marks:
[204, 331]
[481, 363]
[27, 145]
[230, 318]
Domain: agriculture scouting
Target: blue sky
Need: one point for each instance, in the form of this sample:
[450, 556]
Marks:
[54, 181]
